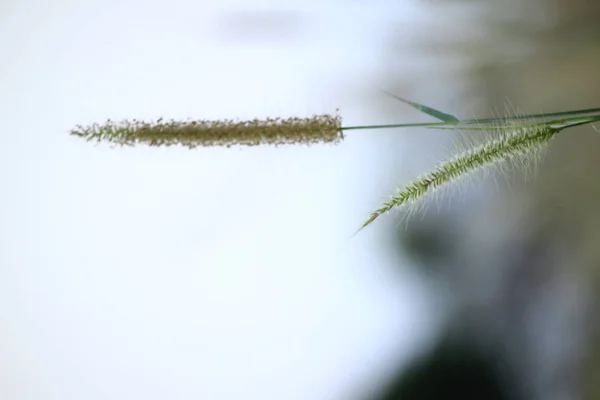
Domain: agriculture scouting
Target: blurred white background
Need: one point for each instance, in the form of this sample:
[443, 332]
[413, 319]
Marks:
[204, 274]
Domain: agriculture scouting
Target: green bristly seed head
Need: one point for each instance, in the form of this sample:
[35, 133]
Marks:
[510, 144]
[274, 131]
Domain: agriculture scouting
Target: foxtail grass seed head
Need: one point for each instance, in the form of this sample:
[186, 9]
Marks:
[323, 128]
[512, 144]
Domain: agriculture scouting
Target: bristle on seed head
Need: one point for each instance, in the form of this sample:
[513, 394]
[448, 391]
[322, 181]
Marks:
[323, 128]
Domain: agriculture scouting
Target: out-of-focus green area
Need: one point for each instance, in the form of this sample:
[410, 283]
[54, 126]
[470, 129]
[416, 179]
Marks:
[523, 261]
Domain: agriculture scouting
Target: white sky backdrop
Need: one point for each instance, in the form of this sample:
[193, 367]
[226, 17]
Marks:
[206, 274]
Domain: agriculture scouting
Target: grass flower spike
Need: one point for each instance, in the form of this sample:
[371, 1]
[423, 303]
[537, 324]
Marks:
[510, 145]
[316, 129]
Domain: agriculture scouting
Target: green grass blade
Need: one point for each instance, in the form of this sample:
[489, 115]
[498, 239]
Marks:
[557, 123]
[460, 124]
[427, 110]
[571, 122]
[535, 116]
[412, 125]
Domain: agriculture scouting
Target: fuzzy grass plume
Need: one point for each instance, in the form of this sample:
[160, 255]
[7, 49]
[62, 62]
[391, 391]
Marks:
[518, 140]
[274, 131]
[511, 144]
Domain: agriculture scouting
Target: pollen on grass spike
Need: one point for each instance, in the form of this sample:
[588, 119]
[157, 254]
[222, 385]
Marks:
[324, 128]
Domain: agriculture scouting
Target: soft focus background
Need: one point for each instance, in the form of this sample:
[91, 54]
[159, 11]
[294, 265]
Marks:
[233, 273]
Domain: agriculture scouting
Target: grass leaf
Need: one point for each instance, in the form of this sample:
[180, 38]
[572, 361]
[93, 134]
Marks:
[427, 110]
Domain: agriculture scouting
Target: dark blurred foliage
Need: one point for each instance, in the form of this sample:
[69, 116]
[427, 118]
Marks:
[454, 369]
[522, 259]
